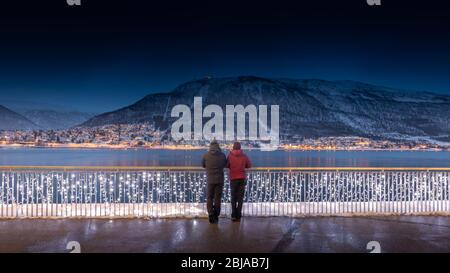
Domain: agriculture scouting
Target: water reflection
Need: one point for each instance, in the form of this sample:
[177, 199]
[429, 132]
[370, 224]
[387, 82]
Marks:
[83, 157]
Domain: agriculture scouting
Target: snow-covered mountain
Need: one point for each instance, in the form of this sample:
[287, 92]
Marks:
[53, 120]
[10, 120]
[48, 116]
[308, 108]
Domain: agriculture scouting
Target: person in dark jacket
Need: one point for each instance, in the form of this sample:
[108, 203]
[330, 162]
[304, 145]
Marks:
[214, 161]
[237, 162]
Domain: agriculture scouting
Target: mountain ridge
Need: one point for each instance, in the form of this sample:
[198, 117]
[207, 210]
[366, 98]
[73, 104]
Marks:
[11, 120]
[56, 120]
[48, 116]
[308, 107]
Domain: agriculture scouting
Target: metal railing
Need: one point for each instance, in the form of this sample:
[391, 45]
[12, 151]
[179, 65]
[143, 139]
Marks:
[62, 191]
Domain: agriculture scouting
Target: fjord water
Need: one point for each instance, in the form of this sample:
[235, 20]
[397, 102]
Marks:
[141, 157]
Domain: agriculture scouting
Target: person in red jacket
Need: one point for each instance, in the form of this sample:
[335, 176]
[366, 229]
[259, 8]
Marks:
[237, 162]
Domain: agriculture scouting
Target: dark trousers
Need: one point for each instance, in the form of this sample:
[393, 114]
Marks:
[214, 199]
[237, 197]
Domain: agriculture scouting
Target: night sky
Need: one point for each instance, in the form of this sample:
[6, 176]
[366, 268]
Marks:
[108, 54]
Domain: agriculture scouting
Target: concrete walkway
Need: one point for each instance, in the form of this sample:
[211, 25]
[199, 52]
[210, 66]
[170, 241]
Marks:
[330, 234]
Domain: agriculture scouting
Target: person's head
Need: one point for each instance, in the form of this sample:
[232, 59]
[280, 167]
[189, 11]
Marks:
[237, 145]
[214, 146]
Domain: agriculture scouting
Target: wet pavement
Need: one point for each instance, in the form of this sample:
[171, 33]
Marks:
[252, 234]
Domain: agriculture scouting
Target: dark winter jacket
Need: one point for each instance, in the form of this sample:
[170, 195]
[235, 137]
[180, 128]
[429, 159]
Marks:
[237, 162]
[214, 161]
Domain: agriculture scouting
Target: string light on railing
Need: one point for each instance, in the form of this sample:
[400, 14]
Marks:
[297, 189]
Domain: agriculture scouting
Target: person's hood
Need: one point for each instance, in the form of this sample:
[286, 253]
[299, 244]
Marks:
[236, 152]
[214, 147]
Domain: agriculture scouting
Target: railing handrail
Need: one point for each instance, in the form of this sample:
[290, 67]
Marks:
[195, 168]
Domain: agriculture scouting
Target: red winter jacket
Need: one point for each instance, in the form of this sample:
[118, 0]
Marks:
[237, 161]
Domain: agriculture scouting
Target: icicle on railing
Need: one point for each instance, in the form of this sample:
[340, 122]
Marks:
[182, 193]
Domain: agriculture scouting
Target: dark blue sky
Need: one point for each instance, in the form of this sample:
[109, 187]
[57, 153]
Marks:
[108, 54]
